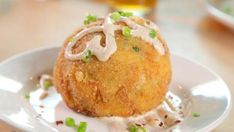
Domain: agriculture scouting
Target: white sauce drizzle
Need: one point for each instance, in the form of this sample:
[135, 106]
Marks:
[143, 33]
[171, 112]
[109, 28]
[161, 118]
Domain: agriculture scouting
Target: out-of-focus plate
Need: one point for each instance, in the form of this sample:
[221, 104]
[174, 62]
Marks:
[222, 11]
[208, 94]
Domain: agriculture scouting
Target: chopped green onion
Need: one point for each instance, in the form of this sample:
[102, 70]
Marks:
[196, 114]
[82, 127]
[136, 49]
[126, 31]
[70, 122]
[143, 129]
[47, 84]
[152, 33]
[87, 56]
[89, 19]
[125, 14]
[115, 16]
[27, 96]
[133, 128]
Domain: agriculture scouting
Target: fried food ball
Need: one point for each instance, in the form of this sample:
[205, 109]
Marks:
[132, 81]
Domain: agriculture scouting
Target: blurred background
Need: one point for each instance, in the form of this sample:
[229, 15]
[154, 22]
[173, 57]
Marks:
[202, 30]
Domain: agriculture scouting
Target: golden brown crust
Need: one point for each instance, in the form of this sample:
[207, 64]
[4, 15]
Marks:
[129, 83]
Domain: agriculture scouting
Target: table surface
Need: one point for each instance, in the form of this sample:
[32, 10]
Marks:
[29, 24]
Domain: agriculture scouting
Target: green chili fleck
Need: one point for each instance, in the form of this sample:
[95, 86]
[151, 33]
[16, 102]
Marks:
[152, 33]
[70, 122]
[87, 56]
[82, 127]
[89, 19]
[126, 31]
[136, 49]
[196, 114]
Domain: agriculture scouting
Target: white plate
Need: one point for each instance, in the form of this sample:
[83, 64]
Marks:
[216, 9]
[209, 95]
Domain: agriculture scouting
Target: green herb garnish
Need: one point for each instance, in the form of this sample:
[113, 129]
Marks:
[87, 56]
[126, 31]
[89, 19]
[27, 96]
[143, 129]
[125, 14]
[47, 84]
[115, 16]
[136, 49]
[133, 128]
[82, 127]
[152, 33]
[70, 122]
[196, 114]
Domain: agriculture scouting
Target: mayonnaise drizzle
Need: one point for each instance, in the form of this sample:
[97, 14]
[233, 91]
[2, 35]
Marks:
[143, 33]
[109, 28]
[173, 108]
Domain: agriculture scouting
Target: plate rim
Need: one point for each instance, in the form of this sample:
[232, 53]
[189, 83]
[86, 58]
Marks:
[209, 127]
[219, 15]
[227, 111]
